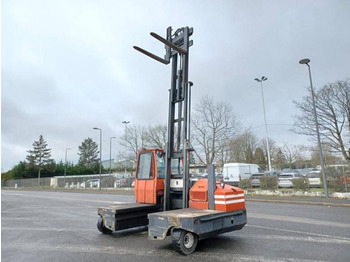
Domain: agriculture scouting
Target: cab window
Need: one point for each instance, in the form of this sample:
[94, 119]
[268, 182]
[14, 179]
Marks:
[176, 166]
[144, 170]
[160, 165]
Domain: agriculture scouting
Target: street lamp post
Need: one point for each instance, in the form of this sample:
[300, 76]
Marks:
[263, 78]
[96, 128]
[306, 61]
[125, 123]
[65, 166]
[110, 155]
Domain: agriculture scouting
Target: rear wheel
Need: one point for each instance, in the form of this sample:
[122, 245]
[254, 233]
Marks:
[185, 242]
[101, 227]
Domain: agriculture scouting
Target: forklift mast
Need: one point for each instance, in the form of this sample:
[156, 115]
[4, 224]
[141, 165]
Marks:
[178, 145]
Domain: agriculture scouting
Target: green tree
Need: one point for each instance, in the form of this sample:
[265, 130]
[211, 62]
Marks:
[259, 157]
[242, 147]
[88, 154]
[280, 159]
[19, 171]
[249, 155]
[39, 156]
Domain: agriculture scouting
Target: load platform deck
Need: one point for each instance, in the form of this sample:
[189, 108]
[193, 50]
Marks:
[204, 223]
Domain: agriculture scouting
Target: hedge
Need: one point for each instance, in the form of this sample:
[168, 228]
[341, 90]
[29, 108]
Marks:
[268, 182]
[245, 184]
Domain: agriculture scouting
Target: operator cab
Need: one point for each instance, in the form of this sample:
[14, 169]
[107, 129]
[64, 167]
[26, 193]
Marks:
[149, 178]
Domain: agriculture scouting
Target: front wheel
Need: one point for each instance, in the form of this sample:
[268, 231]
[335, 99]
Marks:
[101, 227]
[185, 242]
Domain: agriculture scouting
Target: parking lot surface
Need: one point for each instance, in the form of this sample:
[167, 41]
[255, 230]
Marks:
[61, 226]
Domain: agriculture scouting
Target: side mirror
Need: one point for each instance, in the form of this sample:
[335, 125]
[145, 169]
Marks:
[160, 154]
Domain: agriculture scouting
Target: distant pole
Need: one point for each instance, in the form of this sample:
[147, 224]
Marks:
[306, 61]
[263, 78]
[110, 155]
[65, 167]
[96, 128]
[125, 123]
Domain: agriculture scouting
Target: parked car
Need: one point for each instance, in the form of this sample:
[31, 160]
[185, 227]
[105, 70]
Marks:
[285, 179]
[91, 183]
[124, 182]
[305, 171]
[255, 179]
[345, 180]
[314, 179]
[219, 177]
[272, 173]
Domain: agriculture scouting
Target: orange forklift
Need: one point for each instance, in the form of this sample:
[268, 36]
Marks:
[166, 201]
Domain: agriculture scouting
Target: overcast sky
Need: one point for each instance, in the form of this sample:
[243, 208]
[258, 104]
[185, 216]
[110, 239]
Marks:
[68, 65]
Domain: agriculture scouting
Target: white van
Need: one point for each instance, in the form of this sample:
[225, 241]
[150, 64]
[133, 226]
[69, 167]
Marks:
[235, 172]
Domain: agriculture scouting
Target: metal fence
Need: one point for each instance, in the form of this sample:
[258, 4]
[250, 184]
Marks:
[30, 182]
[83, 181]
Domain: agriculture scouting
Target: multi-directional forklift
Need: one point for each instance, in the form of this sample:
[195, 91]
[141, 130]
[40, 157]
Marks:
[166, 201]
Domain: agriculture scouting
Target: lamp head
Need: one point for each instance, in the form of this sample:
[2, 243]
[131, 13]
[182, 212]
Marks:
[305, 61]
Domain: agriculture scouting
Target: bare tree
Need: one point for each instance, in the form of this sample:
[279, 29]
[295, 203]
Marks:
[214, 124]
[291, 153]
[329, 157]
[137, 137]
[156, 136]
[333, 114]
[133, 140]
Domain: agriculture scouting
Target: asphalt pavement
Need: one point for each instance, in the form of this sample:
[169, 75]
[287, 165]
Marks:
[309, 200]
[61, 226]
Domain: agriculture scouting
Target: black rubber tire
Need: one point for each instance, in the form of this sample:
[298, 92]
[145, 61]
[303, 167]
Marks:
[101, 227]
[184, 242]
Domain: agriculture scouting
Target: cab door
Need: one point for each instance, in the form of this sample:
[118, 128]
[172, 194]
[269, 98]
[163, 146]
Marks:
[145, 181]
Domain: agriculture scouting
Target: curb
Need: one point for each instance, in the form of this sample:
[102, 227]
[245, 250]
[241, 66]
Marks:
[298, 202]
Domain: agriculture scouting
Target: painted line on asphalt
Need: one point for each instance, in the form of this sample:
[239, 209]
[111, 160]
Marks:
[299, 220]
[299, 232]
[315, 239]
[144, 252]
[65, 198]
[52, 229]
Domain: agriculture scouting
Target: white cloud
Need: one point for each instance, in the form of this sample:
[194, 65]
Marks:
[69, 65]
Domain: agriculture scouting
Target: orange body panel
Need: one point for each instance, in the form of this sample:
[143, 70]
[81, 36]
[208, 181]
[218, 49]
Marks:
[147, 190]
[199, 195]
[227, 198]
